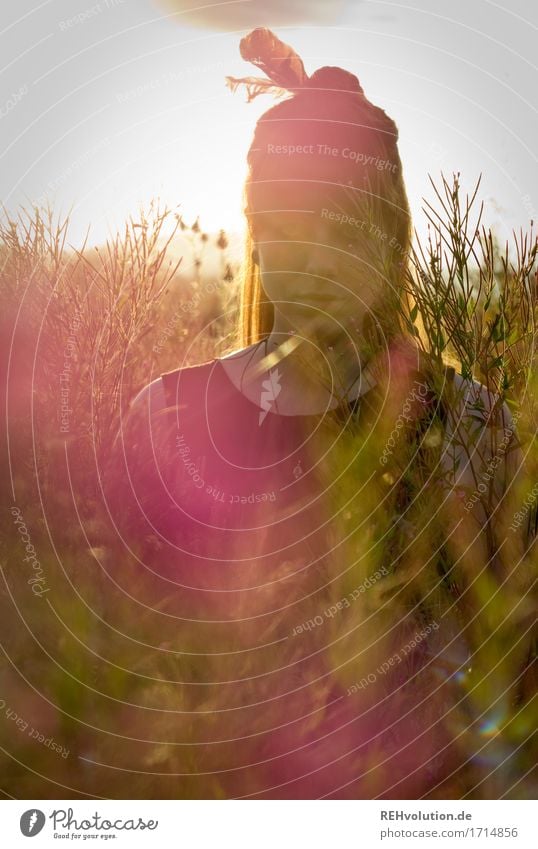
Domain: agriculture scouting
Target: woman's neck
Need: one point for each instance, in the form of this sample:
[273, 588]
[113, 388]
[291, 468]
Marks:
[319, 363]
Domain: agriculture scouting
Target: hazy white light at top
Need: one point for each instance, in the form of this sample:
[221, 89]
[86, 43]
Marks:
[238, 14]
[130, 102]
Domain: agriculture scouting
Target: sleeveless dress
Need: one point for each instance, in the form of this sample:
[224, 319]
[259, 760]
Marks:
[228, 495]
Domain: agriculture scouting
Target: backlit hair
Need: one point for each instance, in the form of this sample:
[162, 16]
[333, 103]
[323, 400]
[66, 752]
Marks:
[328, 107]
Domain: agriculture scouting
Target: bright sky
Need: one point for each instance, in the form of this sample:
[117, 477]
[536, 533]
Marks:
[106, 104]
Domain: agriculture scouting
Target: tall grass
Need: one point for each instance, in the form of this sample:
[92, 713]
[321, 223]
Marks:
[83, 331]
[100, 664]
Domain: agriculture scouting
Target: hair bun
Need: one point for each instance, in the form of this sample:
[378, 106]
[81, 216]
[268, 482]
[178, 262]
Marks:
[332, 78]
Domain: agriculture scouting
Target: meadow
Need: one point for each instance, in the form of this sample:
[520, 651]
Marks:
[96, 695]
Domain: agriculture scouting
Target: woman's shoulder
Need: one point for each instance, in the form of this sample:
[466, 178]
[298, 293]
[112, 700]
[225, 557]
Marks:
[476, 407]
[481, 441]
[159, 392]
[150, 398]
